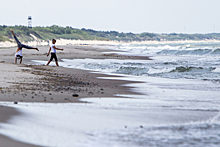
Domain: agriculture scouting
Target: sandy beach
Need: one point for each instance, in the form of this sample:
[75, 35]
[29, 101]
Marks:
[49, 84]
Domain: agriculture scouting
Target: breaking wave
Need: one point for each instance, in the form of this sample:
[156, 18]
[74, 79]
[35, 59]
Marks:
[190, 52]
[191, 69]
[132, 70]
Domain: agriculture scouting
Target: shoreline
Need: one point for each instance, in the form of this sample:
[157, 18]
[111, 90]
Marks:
[49, 84]
[63, 81]
[39, 83]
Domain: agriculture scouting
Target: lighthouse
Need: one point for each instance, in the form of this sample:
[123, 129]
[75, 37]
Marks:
[29, 22]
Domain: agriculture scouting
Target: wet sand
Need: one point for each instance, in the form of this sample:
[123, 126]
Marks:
[5, 114]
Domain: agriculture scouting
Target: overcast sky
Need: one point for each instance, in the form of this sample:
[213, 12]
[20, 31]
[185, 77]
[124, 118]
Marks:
[157, 16]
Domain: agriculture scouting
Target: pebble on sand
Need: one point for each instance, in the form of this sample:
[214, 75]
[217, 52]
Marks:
[75, 95]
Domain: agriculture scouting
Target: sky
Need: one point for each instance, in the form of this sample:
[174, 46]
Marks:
[136, 16]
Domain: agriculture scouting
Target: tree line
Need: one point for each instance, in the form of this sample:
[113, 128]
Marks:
[68, 32]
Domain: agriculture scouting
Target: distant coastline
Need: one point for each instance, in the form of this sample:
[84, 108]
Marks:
[41, 36]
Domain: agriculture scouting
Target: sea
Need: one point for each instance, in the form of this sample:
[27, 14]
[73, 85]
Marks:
[179, 101]
[174, 61]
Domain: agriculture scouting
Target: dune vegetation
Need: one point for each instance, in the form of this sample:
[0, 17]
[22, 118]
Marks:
[47, 33]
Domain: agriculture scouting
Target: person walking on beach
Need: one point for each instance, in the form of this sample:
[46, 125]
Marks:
[18, 54]
[53, 49]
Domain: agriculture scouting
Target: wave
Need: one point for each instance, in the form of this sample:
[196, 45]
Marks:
[192, 69]
[132, 70]
[184, 71]
[170, 63]
[217, 70]
[187, 69]
[217, 51]
[190, 52]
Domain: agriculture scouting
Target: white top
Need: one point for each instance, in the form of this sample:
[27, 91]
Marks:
[18, 53]
[53, 50]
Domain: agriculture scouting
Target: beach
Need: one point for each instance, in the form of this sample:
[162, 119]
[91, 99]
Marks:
[85, 107]
[23, 83]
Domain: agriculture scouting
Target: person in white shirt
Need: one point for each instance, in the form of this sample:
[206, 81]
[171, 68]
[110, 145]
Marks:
[18, 54]
[53, 49]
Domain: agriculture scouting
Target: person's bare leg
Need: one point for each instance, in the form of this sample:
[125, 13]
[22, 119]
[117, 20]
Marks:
[57, 63]
[20, 60]
[35, 48]
[29, 47]
[48, 62]
[12, 32]
[15, 60]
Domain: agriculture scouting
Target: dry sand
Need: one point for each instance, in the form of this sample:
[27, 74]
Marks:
[39, 83]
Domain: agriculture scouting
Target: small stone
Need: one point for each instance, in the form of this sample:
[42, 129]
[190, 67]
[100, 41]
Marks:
[90, 93]
[75, 95]
[141, 127]
[15, 102]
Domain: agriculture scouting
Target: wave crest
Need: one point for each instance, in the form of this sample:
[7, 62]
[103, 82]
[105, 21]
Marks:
[189, 52]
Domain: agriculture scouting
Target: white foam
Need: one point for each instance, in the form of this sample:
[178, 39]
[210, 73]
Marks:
[179, 93]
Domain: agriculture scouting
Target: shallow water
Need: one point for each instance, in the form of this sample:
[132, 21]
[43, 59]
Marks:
[191, 135]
